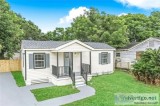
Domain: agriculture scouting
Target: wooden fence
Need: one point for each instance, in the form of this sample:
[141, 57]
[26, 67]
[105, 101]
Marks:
[10, 65]
[123, 65]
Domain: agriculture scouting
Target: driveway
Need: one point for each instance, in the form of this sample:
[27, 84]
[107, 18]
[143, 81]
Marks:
[11, 95]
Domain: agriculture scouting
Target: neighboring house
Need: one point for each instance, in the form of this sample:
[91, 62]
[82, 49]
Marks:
[65, 62]
[133, 51]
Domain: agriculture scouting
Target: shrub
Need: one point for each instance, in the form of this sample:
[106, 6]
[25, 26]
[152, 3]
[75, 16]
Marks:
[147, 68]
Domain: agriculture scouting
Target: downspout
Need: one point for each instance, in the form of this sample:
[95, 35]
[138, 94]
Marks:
[25, 66]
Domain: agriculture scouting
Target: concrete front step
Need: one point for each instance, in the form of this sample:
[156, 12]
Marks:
[37, 81]
[78, 77]
[79, 81]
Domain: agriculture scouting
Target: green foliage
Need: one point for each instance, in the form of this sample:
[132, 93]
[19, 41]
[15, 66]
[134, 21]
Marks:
[118, 31]
[17, 75]
[147, 68]
[53, 92]
[13, 29]
[95, 26]
[107, 85]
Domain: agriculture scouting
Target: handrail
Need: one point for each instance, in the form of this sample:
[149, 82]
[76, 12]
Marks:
[85, 70]
[72, 75]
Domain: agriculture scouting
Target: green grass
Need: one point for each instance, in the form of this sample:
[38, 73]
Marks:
[52, 92]
[107, 85]
[18, 78]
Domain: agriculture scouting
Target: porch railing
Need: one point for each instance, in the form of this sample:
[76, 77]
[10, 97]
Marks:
[72, 75]
[60, 71]
[85, 70]
[63, 71]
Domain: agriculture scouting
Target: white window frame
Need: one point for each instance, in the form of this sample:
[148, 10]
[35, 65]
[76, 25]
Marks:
[35, 54]
[102, 58]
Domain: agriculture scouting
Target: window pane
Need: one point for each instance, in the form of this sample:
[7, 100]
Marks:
[39, 63]
[39, 60]
[104, 58]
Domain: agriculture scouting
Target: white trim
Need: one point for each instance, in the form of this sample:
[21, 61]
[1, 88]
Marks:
[34, 60]
[74, 41]
[87, 51]
[38, 49]
[139, 44]
[104, 49]
[143, 42]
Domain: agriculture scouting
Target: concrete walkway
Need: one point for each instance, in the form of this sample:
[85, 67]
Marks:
[11, 95]
[85, 91]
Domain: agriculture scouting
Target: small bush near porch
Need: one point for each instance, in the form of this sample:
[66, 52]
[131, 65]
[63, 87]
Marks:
[17, 75]
[53, 92]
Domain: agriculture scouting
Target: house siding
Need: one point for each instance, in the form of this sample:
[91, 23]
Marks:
[75, 47]
[130, 55]
[76, 62]
[34, 74]
[86, 57]
[101, 68]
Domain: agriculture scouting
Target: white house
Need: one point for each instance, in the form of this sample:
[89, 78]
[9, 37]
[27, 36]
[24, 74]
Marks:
[133, 51]
[65, 62]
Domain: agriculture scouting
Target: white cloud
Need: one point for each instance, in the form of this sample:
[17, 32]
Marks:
[73, 13]
[144, 4]
[121, 14]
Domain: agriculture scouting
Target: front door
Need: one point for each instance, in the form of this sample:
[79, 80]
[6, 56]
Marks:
[66, 63]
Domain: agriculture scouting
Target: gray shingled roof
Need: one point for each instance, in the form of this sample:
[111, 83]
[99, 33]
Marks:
[31, 44]
[97, 45]
[130, 45]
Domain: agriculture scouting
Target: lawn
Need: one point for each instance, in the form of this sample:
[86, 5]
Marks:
[18, 78]
[53, 92]
[107, 85]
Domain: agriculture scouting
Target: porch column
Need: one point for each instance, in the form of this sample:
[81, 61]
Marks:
[90, 62]
[72, 61]
[57, 65]
[81, 62]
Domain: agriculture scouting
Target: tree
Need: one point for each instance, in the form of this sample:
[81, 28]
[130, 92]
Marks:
[13, 29]
[9, 31]
[138, 28]
[155, 23]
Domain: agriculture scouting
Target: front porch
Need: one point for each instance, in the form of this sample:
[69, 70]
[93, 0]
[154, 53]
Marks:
[72, 64]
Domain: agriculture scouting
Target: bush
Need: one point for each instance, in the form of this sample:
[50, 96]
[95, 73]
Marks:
[147, 68]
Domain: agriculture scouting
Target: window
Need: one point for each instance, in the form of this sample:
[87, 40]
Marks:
[118, 55]
[104, 58]
[138, 54]
[39, 60]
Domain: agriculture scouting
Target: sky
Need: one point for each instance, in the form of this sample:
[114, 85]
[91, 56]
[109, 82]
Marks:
[49, 14]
